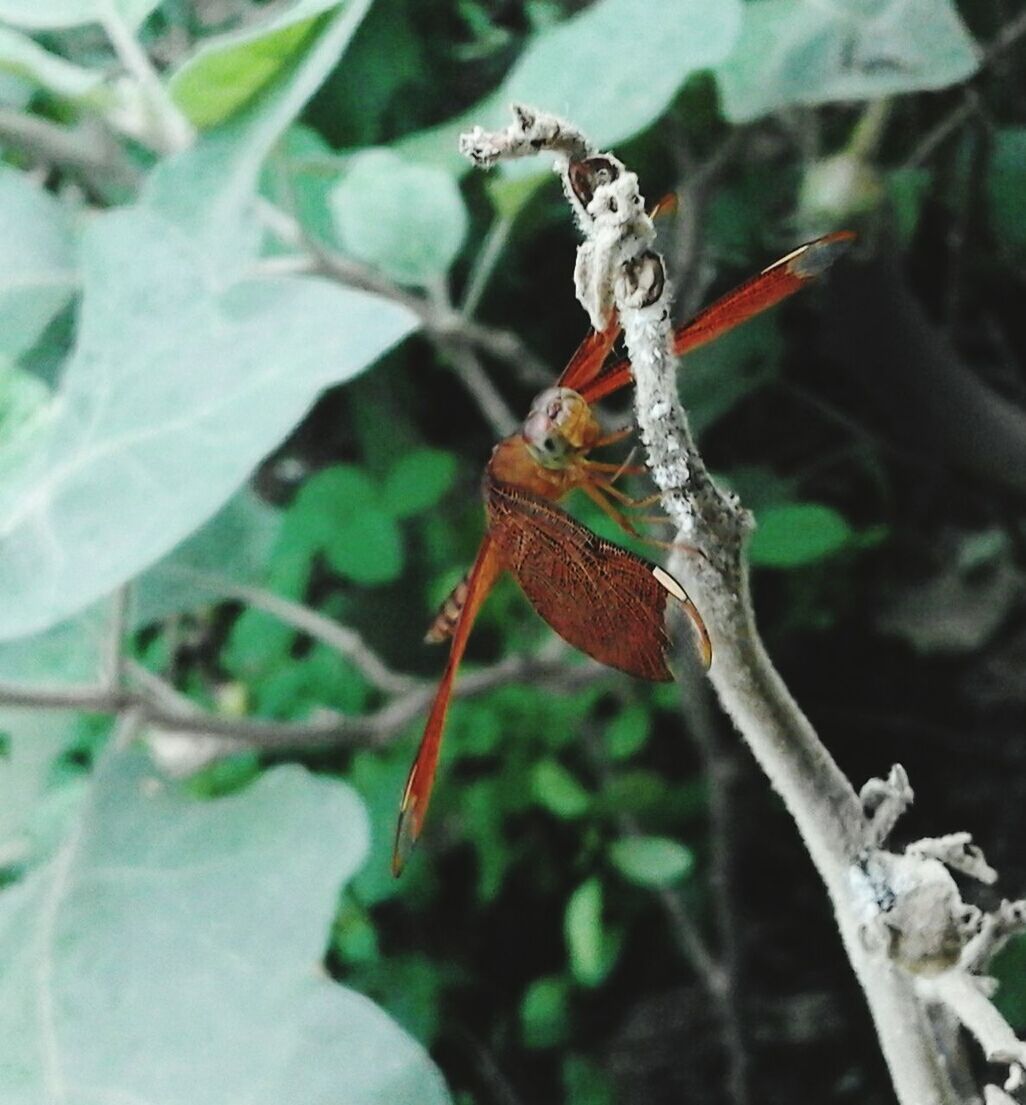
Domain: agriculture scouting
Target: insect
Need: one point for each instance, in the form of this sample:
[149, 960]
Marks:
[602, 599]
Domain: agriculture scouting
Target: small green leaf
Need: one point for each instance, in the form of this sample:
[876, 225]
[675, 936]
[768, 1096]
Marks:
[636, 792]
[907, 190]
[544, 1012]
[651, 861]
[558, 791]
[354, 937]
[407, 220]
[796, 534]
[417, 481]
[257, 644]
[366, 547]
[585, 1083]
[482, 802]
[628, 732]
[1009, 968]
[1006, 185]
[338, 512]
[227, 72]
[592, 949]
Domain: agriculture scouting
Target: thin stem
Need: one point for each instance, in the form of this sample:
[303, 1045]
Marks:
[158, 705]
[344, 640]
[171, 130]
[114, 660]
[484, 264]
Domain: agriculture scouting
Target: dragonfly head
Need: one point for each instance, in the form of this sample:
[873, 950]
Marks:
[558, 427]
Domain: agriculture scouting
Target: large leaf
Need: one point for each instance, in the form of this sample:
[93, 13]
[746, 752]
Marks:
[170, 954]
[30, 743]
[175, 390]
[232, 548]
[37, 266]
[612, 69]
[69, 654]
[818, 51]
[228, 71]
[210, 189]
[71, 13]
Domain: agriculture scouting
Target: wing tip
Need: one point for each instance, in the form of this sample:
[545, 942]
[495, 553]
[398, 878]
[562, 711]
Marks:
[813, 259]
[672, 587]
[407, 830]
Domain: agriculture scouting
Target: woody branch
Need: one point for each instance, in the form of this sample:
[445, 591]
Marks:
[912, 941]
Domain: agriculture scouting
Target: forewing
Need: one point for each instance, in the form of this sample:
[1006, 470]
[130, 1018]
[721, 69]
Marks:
[590, 356]
[600, 598]
[782, 279]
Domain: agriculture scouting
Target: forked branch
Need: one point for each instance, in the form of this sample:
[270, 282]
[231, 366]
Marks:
[912, 942]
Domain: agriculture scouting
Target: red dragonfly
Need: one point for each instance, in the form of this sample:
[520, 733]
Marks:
[602, 599]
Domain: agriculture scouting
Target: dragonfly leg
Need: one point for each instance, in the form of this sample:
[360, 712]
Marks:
[613, 438]
[597, 490]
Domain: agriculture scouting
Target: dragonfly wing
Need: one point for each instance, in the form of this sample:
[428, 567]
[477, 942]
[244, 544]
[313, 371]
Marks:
[782, 279]
[590, 356]
[417, 793]
[604, 600]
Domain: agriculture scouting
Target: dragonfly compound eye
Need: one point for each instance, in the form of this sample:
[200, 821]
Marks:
[552, 428]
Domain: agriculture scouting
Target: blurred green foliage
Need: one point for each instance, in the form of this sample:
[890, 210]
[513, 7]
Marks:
[196, 407]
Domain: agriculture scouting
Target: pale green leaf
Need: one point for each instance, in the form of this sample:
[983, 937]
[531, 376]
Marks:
[15, 92]
[233, 548]
[795, 534]
[21, 57]
[407, 220]
[51, 14]
[176, 389]
[210, 189]
[818, 51]
[651, 861]
[37, 261]
[68, 654]
[24, 410]
[229, 70]
[613, 69]
[170, 953]
[34, 739]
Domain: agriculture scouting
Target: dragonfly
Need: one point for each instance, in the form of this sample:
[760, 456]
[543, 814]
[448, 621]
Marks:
[603, 599]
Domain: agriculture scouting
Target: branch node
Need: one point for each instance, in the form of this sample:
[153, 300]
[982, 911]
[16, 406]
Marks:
[957, 851]
[883, 803]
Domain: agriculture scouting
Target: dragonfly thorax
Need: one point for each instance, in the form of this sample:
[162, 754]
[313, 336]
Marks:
[559, 427]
